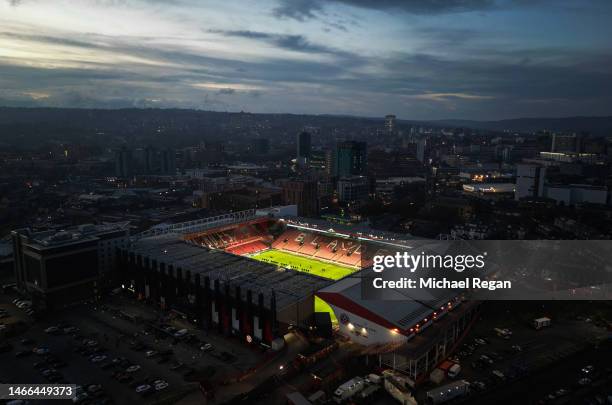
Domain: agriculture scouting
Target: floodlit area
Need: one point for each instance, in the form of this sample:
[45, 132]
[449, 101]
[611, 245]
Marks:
[322, 306]
[304, 264]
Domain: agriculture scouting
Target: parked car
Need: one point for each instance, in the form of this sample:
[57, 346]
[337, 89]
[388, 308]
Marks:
[181, 333]
[98, 359]
[132, 369]
[160, 385]
[143, 389]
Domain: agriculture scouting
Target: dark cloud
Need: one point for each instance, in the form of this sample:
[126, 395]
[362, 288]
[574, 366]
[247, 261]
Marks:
[307, 9]
[300, 10]
[297, 43]
[227, 91]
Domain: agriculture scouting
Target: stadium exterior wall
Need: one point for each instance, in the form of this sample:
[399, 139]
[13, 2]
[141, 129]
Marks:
[364, 331]
[211, 304]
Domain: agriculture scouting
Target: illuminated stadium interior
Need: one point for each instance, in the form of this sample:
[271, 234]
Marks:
[321, 254]
[291, 245]
[324, 254]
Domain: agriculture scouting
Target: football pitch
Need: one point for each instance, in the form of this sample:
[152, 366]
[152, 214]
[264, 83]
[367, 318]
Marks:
[308, 265]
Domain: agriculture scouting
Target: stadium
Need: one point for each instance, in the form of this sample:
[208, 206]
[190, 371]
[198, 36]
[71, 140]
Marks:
[260, 274]
[320, 253]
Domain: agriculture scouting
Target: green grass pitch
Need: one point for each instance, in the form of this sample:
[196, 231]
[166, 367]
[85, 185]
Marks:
[305, 264]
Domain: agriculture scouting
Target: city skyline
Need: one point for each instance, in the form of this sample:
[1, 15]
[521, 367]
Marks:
[477, 59]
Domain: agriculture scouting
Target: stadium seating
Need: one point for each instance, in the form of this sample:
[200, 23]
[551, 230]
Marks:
[248, 239]
[323, 247]
[248, 248]
[244, 238]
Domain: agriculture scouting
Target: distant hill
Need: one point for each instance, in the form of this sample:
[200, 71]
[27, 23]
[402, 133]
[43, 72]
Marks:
[601, 126]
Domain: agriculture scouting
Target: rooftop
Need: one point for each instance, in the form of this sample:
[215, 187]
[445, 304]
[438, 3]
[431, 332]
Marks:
[398, 310]
[76, 234]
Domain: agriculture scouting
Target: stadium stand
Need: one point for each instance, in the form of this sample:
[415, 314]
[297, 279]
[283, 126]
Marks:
[252, 238]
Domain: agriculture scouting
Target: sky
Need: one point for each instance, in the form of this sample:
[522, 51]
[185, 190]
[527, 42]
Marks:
[417, 59]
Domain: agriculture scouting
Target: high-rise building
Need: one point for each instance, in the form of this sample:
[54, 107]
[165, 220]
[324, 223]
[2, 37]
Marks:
[420, 149]
[318, 160]
[168, 162]
[303, 147]
[351, 159]
[390, 123]
[123, 162]
[150, 160]
[330, 162]
[529, 181]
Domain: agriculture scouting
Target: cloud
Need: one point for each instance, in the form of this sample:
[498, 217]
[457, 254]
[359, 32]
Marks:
[300, 10]
[446, 71]
[297, 43]
[51, 40]
[226, 91]
[448, 37]
[307, 9]
[449, 96]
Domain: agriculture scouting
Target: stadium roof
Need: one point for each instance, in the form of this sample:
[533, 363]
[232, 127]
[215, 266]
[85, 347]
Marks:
[289, 286]
[399, 310]
[355, 230]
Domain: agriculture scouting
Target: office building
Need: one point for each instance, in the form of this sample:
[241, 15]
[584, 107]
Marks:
[56, 269]
[123, 162]
[303, 148]
[353, 189]
[351, 159]
[421, 149]
[168, 162]
[390, 123]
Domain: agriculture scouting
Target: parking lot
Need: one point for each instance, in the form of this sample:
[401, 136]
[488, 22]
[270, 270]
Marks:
[124, 351]
[121, 351]
[548, 361]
